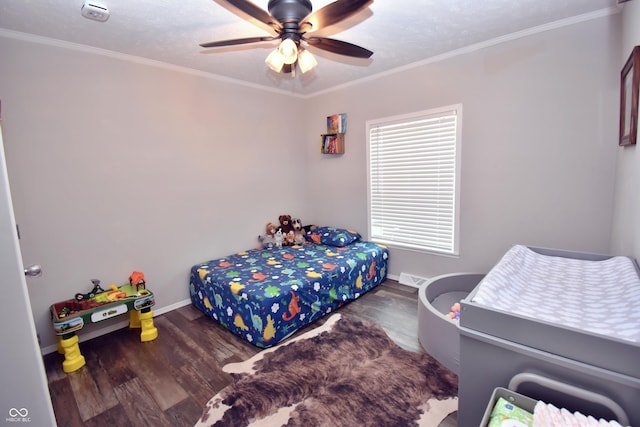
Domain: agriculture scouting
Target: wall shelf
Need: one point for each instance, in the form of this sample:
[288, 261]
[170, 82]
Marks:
[332, 143]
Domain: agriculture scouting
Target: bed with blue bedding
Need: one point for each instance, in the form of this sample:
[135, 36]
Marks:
[265, 295]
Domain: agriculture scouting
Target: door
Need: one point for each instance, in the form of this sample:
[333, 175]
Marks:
[24, 395]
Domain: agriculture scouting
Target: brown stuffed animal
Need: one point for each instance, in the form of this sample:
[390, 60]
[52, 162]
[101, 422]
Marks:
[289, 238]
[271, 229]
[285, 224]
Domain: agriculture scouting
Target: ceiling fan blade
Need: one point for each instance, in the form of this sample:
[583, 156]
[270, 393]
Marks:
[332, 14]
[256, 12]
[339, 47]
[239, 41]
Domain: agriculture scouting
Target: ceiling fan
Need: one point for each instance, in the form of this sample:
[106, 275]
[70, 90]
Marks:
[291, 20]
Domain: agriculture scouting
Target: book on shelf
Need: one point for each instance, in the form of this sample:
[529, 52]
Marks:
[337, 123]
[332, 144]
[329, 144]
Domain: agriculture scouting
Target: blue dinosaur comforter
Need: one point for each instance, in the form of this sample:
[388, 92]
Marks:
[265, 295]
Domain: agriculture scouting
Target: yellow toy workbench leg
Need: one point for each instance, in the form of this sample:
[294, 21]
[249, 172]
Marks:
[143, 320]
[149, 332]
[73, 359]
[134, 319]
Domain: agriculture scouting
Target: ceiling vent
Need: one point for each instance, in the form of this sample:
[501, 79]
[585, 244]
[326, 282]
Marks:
[95, 11]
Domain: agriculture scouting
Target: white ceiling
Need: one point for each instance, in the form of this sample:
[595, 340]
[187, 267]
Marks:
[399, 32]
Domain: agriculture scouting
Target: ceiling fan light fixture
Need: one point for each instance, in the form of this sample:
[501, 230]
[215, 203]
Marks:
[290, 20]
[306, 60]
[289, 51]
[275, 60]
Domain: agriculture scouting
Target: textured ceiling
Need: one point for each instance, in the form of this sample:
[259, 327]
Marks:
[399, 32]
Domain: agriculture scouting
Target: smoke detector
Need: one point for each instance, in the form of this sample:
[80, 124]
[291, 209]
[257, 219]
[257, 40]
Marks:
[94, 10]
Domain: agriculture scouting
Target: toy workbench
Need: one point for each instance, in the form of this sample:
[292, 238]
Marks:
[70, 316]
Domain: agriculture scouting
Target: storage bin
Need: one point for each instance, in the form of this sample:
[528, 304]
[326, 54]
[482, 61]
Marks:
[517, 399]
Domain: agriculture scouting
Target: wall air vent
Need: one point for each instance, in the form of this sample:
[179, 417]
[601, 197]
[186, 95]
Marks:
[411, 280]
[95, 11]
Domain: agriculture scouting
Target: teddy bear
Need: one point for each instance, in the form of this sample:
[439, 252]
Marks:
[271, 229]
[287, 229]
[285, 223]
[268, 240]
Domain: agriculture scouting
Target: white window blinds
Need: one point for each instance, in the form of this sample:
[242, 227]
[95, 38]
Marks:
[413, 169]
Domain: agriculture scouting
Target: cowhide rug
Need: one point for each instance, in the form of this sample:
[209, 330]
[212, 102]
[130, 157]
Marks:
[343, 373]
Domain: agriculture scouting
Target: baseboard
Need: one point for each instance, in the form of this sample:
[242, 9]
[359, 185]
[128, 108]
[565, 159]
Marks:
[171, 307]
[115, 326]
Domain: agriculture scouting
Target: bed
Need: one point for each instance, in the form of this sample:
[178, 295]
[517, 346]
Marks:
[563, 327]
[265, 295]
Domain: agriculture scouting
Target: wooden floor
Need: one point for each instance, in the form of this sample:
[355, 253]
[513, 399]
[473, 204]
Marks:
[168, 381]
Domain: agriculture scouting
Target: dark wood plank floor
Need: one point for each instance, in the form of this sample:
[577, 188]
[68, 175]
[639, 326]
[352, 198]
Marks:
[168, 381]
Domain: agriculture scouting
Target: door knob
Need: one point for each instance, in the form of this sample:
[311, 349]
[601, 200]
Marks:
[33, 271]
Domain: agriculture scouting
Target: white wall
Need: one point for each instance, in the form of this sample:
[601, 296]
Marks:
[539, 132]
[625, 236]
[117, 166]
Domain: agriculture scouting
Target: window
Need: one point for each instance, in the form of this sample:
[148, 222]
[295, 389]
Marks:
[413, 180]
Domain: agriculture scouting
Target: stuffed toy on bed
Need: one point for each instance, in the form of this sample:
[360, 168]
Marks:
[268, 240]
[287, 229]
[285, 223]
[271, 229]
[279, 238]
[298, 232]
[290, 239]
